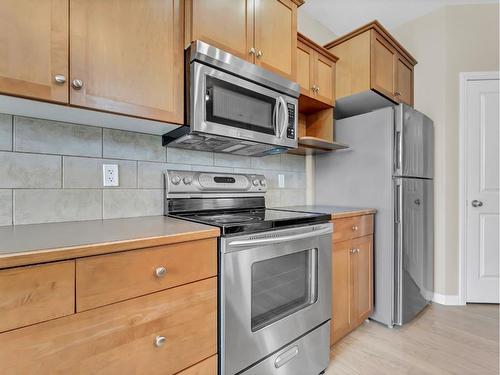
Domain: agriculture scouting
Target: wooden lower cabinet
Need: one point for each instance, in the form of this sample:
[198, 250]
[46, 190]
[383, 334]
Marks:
[352, 279]
[123, 338]
[206, 367]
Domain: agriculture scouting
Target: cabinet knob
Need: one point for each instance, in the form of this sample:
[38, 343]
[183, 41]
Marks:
[313, 88]
[353, 251]
[260, 54]
[354, 228]
[476, 203]
[60, 79]
[251, 51]
[317, 88]
[77, 84]
[397, 93]
[160, 272]
[160, 341]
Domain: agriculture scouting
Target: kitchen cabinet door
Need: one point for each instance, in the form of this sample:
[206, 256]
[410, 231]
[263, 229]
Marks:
[362, 279]
[305, 71]
[225, 24]
[325, 75]
[276, 36]
[341, 290]
[127, 57]
[34, 49]
[404, 81]
[383, 66]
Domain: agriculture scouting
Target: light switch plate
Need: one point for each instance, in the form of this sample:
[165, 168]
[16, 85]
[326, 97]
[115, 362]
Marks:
[281, 180]
[110, 175]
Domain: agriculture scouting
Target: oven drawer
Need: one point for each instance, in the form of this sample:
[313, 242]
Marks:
[36, 293]
[106, 279]
[309, 355]
[352, 227]
[123, 338]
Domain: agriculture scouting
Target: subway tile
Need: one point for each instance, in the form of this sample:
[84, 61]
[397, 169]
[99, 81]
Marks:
[131, 203]
[53, 205]
[295, 180]
[50, 137]
[293, 197]
[120, 144]
[87, 173]
[19, 170]
[229, 160]
[208, 168]
[150, 174]
[5, 132]
[178, 155]
[5, 207]
[291, 162]
[271, 162]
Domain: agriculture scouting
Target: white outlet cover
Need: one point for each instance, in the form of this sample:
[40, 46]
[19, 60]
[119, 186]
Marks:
[110, 175]
[281, 180]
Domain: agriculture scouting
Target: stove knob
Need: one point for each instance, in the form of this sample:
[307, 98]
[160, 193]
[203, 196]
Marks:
[255, 182]
[175, 180]
[187, 180]
[262, 182]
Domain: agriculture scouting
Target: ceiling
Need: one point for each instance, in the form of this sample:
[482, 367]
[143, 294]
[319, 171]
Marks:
[342, 16]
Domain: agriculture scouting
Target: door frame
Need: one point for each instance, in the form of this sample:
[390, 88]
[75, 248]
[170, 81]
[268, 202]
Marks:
[464, 78]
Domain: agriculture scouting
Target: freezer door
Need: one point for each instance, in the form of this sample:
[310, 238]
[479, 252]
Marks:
[413, 143]
[414, 253]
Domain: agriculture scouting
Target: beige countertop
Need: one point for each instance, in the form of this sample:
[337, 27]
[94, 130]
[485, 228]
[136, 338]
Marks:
[337, 212]
[37, 243]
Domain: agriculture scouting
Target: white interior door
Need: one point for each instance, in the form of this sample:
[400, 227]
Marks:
[482, 190]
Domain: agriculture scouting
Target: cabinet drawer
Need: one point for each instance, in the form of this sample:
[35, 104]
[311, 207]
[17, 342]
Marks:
[36, 293]
[352, 227]
[206, 367]
[120, 338]
[106, 279]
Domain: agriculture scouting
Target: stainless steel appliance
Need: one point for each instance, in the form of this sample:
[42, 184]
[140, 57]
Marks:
[389, 167]
[274, 273]
[234, 106]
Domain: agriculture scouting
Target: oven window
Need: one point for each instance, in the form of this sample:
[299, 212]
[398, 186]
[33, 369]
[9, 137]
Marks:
[282, 286]
[238, 107]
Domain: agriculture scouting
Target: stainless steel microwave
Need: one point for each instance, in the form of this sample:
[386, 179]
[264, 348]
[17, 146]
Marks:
[234, 106]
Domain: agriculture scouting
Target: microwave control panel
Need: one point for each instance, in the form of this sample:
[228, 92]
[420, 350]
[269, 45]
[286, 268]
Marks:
[290, 132]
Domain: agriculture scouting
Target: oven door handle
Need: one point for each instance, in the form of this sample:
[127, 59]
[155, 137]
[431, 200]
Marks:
[273, 240]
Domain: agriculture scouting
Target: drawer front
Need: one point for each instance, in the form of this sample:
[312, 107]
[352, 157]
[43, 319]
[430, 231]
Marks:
[120, 338]
[362, 226]
[106, 279]
[36, 293]
[206, 367]
[352, 227]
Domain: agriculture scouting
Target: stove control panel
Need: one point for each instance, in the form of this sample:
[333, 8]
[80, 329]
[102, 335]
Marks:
[178, 182]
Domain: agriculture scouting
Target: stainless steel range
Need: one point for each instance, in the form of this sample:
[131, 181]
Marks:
[274, 273]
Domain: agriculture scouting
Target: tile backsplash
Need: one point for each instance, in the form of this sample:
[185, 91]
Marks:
[52, 171]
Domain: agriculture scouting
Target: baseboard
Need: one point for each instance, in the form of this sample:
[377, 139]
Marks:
[446, 299]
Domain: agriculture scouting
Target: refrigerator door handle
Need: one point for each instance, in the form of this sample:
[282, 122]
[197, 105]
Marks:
[397, 205]
[399, 154]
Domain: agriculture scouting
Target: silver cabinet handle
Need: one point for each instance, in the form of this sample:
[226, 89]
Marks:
[397, 93]
[352, 251]
[160, 341]
[251, 51]
[476, 203]
[317, 88]
[357, 250]
[354, 228]
[260, 54]
[77, 84]
[160, 272]
[60, 79]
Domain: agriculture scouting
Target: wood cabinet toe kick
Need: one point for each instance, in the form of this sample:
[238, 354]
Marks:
[151, 310]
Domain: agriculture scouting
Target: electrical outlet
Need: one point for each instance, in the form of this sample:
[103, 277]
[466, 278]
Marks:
[110, 175]
[281, 180]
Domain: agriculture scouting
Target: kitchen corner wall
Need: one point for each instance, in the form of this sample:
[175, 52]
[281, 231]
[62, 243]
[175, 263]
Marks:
[52, 171]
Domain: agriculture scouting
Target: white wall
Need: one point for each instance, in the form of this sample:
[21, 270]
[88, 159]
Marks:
[446, 42]
[313, 29]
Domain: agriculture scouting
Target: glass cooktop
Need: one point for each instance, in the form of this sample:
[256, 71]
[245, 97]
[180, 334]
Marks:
[255, 220]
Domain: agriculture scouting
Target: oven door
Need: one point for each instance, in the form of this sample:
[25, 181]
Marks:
[225, 105]
[275, 287]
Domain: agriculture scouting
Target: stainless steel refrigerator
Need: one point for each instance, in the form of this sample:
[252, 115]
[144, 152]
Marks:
[389, 166]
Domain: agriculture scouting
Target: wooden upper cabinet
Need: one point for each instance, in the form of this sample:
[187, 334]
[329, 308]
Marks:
[315, 74]
[276, 36]
[383, 65]
[372, 59]
[128, 57]
[34, 49]
[225, 24]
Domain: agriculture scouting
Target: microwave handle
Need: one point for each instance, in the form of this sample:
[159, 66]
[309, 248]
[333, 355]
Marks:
[276, 116]
[285, 117]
